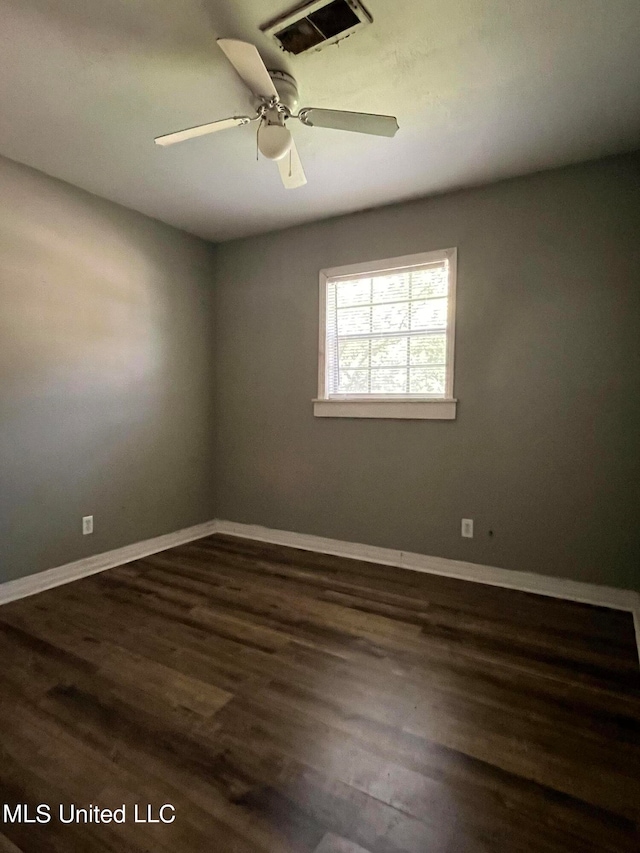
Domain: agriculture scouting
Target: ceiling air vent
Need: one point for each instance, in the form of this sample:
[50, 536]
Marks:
[315, 25]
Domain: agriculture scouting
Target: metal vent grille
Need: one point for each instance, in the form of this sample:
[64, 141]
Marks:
[317, 24]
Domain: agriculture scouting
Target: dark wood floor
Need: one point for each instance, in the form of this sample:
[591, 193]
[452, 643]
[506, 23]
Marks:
[289, 702]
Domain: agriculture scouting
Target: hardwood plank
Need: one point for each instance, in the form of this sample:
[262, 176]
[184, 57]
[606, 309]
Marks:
[419, 777]
[290, 702]
[7, 846]
[334, 844]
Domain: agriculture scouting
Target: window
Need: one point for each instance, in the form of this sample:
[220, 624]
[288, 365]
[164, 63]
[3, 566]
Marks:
[387, 337]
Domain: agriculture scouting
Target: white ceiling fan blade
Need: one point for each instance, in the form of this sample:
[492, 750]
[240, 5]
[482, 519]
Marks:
[291, 171]
[201, 130]
[248, 63]
[356, 122]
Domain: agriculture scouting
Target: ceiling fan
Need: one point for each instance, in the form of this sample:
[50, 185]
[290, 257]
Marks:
[276, 96]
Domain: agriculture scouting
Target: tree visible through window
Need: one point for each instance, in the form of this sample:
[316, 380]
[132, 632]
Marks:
[389, 332]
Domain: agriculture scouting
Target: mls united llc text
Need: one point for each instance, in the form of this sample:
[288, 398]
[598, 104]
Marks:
[71, 813]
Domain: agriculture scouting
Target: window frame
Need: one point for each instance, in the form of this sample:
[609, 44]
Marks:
[388, 406]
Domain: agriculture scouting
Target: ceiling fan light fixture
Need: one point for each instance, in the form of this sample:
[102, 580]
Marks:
[274, 141]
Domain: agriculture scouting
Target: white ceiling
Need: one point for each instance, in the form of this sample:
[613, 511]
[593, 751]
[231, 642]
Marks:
[483, 89]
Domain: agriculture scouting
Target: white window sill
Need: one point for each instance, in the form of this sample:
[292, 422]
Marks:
[444, 410]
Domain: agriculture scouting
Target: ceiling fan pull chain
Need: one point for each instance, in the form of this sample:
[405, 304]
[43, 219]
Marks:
[290, 163]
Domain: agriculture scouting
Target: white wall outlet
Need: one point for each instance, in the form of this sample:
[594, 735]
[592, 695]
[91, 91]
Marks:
[467, 528]
[87, 524]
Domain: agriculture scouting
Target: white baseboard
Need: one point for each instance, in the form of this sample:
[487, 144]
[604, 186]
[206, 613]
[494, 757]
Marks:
[32, 584]
[585, 593]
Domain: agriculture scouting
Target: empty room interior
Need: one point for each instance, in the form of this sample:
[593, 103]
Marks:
[319, 426]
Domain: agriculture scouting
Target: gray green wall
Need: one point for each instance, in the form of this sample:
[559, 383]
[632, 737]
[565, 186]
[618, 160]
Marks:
[106, 374]
[545, 448]
[156, 382]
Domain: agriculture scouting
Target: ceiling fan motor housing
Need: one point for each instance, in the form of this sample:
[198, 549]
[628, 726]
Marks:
[286, 88]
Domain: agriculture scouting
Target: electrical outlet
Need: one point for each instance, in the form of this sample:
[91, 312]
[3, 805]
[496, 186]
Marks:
[467, 528]
[87, 524]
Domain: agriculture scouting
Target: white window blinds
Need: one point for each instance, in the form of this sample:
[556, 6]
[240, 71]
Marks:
[387, 333]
